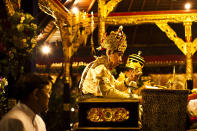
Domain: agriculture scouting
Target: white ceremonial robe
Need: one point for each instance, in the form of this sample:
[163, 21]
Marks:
[100, 82]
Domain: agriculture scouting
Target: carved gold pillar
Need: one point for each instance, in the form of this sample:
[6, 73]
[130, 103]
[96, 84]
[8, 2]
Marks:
[185, 47]
[189, 68]
[101, 19]
[64, 31]
[110, 6]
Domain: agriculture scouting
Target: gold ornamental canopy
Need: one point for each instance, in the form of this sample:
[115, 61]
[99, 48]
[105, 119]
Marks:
[104, 17]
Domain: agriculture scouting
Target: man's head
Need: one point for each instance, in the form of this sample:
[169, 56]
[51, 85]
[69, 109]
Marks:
[115, 45]
[115, 41]
[34, 89]
[114, 57]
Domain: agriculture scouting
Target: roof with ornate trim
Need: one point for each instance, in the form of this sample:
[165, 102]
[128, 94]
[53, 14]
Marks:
[148, 38]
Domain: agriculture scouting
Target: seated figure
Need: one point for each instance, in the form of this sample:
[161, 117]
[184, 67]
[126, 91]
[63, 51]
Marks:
[132, 71]
[97, 79]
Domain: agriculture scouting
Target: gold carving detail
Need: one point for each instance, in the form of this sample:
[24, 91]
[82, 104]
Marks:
[101, 21]
[188, 32]
[54, 9]
[70, 25]
[144, 19]
[173, 36]
[110, 6]
[103, 12]
[189, 68]
[194, 46]
[108, 114]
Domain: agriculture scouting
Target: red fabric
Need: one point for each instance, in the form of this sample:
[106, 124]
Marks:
[193, 120]
[191, 97]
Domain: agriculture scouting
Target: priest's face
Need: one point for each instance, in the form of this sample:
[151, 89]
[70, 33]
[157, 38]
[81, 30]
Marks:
[115, 58]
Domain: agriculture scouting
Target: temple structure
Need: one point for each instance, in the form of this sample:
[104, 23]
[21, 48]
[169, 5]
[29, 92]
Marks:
[164, 35]
[163, 30]
[171, 40]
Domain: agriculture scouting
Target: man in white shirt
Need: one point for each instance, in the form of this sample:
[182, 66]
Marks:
[33, 93]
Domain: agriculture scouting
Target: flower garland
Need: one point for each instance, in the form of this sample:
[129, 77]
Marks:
[18, 39]
[19, 33]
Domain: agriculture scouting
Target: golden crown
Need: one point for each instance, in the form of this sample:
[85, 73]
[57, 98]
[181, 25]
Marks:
[135, 61]
[115, 41]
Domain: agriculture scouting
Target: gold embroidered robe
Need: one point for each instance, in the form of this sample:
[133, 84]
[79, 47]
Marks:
[100, 82]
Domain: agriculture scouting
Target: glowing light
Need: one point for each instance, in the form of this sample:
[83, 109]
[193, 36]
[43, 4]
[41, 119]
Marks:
[75, 10]
[46, 49]
[72, 109]
[187, 6]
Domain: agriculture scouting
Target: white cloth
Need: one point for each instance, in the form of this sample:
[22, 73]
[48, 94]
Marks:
[192, 107]
[100, 82]
[22, 118]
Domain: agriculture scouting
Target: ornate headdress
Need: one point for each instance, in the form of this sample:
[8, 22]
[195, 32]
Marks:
[115, 41]
[135, 61]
